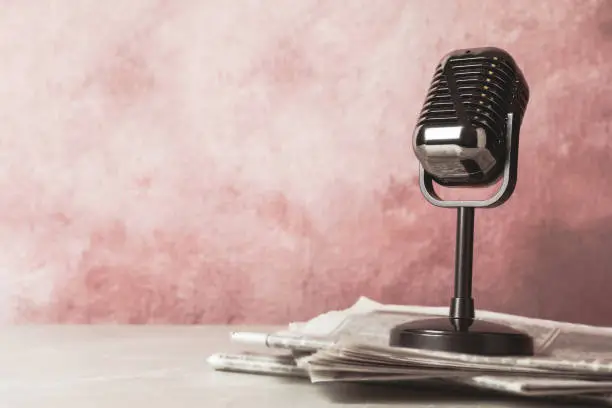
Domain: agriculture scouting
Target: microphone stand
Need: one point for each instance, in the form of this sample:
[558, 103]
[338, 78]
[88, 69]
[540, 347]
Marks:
[461, 332]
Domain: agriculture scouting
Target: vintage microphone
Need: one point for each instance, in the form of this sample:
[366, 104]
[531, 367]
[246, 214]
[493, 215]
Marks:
[467, 136]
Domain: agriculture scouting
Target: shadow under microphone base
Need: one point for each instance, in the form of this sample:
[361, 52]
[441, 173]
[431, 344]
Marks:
[460, 332]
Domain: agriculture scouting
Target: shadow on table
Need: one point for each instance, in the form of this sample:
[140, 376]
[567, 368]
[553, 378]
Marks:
[429, 395]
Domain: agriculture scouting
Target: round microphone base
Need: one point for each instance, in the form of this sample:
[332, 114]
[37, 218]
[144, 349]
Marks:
[444, 334]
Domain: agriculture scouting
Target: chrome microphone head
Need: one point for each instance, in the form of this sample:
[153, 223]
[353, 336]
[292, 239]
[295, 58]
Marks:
[461, 134]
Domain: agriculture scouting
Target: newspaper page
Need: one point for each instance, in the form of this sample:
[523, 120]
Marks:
[565, 345]
[279, 365]
[352, 345]
[559, 346]
[284, 366]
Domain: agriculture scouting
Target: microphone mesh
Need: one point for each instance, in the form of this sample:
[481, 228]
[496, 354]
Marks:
[488, 85]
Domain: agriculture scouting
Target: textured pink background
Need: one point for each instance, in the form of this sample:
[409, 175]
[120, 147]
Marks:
[201, 161]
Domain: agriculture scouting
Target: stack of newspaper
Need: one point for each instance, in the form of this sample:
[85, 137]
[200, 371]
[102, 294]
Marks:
[353, 345]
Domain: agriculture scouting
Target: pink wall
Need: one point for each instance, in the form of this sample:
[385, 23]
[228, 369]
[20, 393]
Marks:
[198, 162]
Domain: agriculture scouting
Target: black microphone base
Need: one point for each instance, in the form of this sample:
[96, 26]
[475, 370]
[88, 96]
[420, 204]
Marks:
[452, 335]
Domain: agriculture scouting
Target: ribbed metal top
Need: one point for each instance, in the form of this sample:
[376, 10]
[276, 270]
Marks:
[487, 83]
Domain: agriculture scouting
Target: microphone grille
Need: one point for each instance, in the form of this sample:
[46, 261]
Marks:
[478, 87]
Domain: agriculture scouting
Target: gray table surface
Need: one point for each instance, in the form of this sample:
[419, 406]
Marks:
[165, 366]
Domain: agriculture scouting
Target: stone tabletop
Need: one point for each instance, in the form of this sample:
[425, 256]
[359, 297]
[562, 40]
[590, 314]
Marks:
[165, 366]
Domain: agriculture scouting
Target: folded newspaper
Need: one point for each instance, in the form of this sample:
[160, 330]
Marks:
[352, 346]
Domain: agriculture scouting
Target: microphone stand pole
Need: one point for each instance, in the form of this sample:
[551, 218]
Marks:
[462, 304]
